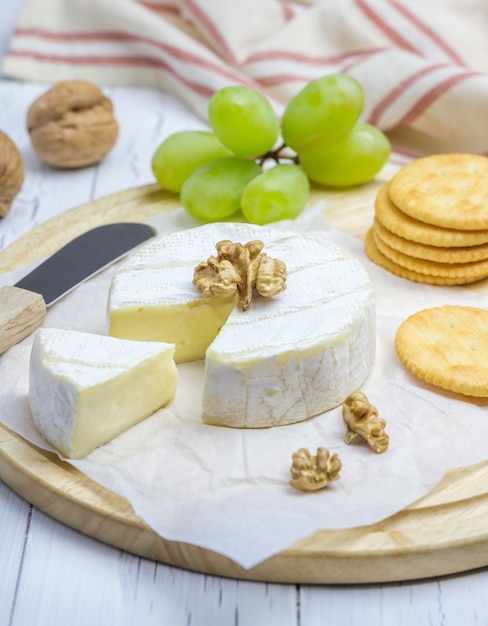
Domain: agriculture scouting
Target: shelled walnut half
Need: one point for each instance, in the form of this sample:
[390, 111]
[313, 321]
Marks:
[362, 420]
[72, 124]
[240, 268]
[11, 173]
[311, 473]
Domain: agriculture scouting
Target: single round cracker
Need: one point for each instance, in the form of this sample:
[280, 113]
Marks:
[447, 347]
[430, 253]
[468, 272]
[405, 226]
[448, 190]
[380, 259]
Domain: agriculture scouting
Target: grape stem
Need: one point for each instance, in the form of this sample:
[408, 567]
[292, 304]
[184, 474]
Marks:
[279, 154]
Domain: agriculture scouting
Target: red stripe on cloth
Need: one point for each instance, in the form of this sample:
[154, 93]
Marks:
[307, 59]
[170, 9]
[400, 157]
[432, 95]
[175, 53]
[380, 23]
[286, 9]
[395, 93]
[434, 36]
[137, 61]
[121, 61]
[202, 18]
[346, 67]
[280, 79]
[108, 36]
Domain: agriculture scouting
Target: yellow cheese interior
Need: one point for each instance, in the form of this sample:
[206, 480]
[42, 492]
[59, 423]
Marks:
[108, 409]
[192, 326]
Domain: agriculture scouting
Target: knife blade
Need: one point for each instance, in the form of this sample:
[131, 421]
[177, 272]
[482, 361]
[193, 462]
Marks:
[23, 305]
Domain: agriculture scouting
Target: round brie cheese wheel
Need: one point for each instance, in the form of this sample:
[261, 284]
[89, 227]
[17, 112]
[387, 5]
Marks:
[286, 358]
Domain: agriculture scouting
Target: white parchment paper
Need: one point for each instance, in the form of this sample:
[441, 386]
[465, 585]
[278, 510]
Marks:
[228, 490]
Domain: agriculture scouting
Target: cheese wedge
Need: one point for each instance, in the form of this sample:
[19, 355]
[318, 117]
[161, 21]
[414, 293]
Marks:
[285, 359]
[86, 389]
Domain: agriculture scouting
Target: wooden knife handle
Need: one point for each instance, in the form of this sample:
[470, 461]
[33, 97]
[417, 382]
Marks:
[21, 312]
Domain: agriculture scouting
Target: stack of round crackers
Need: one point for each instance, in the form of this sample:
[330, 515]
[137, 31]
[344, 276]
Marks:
[431, 221]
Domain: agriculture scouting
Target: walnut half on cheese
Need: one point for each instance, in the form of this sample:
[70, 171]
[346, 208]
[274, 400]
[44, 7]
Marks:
[285, 358]
[86, 389]
[240, 269]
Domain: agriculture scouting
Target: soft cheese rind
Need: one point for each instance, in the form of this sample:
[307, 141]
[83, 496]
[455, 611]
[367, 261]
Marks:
[285, 359]
[86, 389]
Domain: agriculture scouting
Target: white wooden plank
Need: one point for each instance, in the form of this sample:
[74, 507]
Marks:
[447, 601]
[10, 12]
[463, 599]
[166, 595]
[146, 117]
[68, 577]
[14, 523]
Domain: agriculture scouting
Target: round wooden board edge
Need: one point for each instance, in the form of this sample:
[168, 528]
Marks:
[327, 557]
[132, 205]
[390, 551]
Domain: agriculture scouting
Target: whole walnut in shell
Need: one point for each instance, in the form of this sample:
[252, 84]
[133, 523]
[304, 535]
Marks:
[72, 124]
[11, 173]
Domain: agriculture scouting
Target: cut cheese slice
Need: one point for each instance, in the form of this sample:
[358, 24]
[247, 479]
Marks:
[285, 359]
[86, 389]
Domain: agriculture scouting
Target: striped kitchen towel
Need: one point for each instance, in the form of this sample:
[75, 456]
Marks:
[423, 65]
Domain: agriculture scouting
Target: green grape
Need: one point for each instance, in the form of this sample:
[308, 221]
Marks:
[181, 153]
[321, 112]
[243, 120]
[352, 160]
[280, 193]
[213, 191]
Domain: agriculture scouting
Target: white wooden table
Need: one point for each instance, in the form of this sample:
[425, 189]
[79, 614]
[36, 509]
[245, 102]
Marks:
[53, 575]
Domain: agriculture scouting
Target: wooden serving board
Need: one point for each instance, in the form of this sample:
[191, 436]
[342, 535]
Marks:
[445, 532]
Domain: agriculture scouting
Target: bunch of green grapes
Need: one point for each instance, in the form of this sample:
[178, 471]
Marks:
[242, 166]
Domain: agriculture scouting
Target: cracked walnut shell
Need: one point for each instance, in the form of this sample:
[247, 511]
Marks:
[72, 125]
[11, 173]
